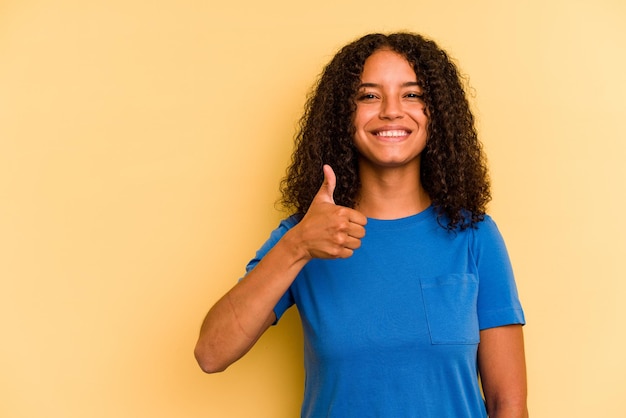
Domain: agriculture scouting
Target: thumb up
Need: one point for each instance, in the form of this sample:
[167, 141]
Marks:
[326, 191]
[328, 230]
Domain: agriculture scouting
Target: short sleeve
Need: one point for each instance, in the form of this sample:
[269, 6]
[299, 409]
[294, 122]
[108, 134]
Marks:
[498, 300]
[285, 225]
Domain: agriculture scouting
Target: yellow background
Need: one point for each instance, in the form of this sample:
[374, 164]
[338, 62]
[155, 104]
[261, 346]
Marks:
[141, 146]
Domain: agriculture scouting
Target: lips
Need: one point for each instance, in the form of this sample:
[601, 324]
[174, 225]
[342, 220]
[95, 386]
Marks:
[392, 133]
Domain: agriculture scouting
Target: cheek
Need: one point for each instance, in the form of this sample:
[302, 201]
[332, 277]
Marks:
[358, 128]
[357, 118]
[421, 115]
[362, 117]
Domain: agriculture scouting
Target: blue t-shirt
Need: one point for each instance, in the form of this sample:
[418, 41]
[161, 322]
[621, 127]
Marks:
[393, 331]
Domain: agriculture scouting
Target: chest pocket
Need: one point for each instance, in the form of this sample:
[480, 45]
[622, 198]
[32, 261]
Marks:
[450, 305]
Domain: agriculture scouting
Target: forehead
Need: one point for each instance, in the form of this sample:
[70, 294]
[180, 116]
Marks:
[385, 64]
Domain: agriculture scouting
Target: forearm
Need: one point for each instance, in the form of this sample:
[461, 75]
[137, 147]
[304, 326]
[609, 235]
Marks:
[502, 367]
[237, 320]
[240, 317]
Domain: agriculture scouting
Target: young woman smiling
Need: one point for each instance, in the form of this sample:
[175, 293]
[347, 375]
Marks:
[402, 281]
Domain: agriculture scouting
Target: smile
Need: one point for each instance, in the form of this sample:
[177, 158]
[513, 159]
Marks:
[396, 133]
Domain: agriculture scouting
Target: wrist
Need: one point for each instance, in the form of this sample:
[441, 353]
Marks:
[295, 246]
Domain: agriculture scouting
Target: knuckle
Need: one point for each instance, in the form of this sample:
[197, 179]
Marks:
[334, 252]
[343, 225]
[343, 212]
[340, 238]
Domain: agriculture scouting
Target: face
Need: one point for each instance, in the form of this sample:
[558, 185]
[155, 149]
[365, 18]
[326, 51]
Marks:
[390, 118]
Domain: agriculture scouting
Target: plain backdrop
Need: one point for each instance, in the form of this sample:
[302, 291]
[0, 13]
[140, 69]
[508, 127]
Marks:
[141, 147]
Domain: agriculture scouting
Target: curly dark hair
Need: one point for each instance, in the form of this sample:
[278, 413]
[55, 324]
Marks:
[453, 166]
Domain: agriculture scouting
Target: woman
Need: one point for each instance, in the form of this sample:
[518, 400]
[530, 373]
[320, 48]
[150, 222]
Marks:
[402, 282]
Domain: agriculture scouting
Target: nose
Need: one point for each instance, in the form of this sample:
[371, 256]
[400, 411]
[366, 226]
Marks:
[391, 108]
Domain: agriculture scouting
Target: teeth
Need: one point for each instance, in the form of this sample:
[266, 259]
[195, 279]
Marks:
[395, 133]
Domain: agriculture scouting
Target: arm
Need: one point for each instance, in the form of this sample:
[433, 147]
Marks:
[503, 371]
[240, 317]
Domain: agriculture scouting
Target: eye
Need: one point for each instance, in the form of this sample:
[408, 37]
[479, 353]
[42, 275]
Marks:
[366, 97]
[414, 95]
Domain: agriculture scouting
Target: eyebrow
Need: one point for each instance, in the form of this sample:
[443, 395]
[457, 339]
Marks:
[374, 85]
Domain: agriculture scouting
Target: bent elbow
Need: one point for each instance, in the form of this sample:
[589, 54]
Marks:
[208, 362]
[210, 367]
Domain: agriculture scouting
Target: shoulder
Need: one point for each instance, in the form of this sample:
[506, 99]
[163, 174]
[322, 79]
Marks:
[282, 228]
[275, 236]
[286, 224]
[486, 238]
[488, 223]
[485, 228]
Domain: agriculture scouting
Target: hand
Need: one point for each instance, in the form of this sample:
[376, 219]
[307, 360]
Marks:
[328, 230]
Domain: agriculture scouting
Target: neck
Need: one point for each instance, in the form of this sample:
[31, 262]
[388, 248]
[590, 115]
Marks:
[391, 193]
